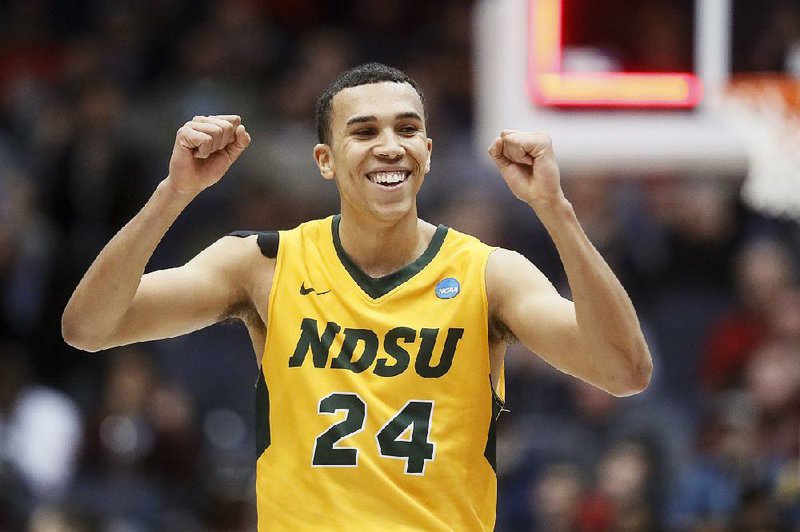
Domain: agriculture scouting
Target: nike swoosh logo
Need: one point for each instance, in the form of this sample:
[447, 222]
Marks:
[305, 291]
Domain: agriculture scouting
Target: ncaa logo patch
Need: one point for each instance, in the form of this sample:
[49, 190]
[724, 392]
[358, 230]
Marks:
[447, 288]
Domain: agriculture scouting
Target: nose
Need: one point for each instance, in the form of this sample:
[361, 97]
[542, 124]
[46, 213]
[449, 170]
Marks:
[388, 147]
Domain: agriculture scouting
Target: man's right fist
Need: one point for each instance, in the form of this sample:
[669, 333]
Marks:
[205, 147]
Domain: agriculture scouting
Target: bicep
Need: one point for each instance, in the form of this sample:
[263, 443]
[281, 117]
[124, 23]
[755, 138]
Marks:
[525, 301]
[176, 301]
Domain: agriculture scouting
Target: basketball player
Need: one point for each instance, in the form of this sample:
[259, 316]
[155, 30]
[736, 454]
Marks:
[380, 337]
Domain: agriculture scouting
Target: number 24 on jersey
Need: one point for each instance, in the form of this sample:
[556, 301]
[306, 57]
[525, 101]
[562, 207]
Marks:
[416, 450]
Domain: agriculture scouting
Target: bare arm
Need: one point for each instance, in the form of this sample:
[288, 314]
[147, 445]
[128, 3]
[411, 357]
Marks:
[115, 303]
[598, 337]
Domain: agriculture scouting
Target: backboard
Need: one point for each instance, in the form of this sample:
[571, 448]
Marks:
[602, 119]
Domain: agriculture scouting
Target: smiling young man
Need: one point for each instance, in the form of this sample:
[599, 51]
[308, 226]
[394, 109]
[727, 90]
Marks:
[380, 337]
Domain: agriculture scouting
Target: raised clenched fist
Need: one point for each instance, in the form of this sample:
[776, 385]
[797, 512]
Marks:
[205, 147]
[528, 165]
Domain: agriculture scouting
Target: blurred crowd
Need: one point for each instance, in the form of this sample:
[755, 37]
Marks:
[160, 436]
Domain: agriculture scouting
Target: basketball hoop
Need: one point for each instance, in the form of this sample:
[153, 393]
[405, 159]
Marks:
[764, 111]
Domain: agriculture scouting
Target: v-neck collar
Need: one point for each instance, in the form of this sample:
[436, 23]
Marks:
[376, 287]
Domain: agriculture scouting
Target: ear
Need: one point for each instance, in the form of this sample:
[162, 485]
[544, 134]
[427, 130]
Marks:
[324, 160]
[430, 150]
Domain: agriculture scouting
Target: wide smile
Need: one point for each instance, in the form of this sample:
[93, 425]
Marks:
[389, 179]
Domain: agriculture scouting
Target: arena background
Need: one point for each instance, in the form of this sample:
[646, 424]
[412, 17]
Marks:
[160, 436]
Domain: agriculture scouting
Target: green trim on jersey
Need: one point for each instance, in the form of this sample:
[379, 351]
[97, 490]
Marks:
[376, 287]
[263, 436]
[498, 406]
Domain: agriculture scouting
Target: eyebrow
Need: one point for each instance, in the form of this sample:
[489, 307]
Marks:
[371, 118]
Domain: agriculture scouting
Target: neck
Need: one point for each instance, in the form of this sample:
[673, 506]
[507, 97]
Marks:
[384, 247]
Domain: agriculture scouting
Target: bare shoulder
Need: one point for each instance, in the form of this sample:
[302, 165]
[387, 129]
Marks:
[242, 248]
[249, 262]
[233, 256]
[240, 268]
[510, 280]
[508, 270]
[502, 259]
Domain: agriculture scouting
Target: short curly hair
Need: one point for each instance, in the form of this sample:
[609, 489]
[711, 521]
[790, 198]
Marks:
[361, 75]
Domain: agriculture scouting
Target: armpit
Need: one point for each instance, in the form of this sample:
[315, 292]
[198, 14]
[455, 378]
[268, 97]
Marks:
[499, 332]
[245, 312]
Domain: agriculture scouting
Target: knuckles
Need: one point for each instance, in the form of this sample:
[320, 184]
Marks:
[528, 139]
[523, 143]
[218, 131]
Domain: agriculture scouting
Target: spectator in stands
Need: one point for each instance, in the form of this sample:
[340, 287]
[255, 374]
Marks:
[763, 271]
[40, 433]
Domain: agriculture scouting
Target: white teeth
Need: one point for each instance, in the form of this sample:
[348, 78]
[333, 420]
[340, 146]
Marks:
[387, 178]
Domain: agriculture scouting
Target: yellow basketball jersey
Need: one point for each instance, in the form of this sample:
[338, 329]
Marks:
[374, 399]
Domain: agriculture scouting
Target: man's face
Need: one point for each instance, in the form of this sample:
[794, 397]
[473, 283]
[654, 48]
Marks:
[379, 152]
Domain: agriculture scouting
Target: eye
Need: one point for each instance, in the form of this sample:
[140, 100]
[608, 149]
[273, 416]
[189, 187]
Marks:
[364, 132]
[409, 129]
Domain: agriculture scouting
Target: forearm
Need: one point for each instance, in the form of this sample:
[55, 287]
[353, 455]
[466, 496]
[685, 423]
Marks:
[609, 329]
[107, 290]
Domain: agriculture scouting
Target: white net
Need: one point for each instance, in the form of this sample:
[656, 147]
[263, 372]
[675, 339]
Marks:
[762, 116]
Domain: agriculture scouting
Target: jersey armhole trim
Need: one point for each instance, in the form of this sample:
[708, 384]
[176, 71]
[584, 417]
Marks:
[267, 241]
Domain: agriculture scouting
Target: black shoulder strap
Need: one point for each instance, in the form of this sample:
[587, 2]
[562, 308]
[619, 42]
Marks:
[267, 241]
